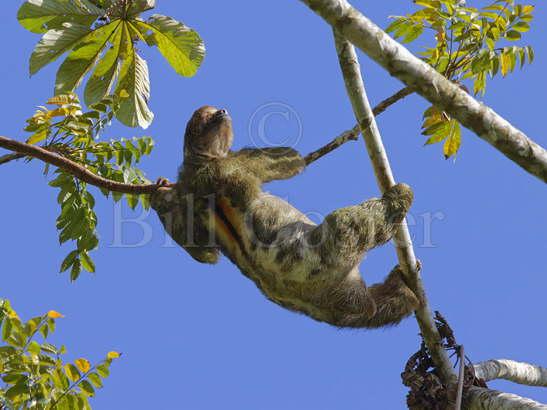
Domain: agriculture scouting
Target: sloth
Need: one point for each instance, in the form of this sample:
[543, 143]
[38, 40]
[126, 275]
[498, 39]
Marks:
[218, 206]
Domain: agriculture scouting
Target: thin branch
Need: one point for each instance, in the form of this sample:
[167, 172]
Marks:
[479, 398]
[349, 135]
[431, 85]
[518, 372]
[384, 176]
[353, 134]
[75, 169]
[4, 159]
[23, 149]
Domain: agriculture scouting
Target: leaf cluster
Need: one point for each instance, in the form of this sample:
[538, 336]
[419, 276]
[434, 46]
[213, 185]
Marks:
[34, 375]
[73, 134]
[101, 39]
[469, 45]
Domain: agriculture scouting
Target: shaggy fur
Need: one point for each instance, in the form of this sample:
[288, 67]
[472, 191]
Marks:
[218, 205]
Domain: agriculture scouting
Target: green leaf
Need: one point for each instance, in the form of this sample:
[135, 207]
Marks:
[522, 27]
[95, 379]
[69, 261]
[530, 54]
[132, 200]
[133, 110]
[101, 81]
[49, 348]
[39, 16]
[51, 325]
[103, 370]
[14, 392]
[480, 83]
[181, 46]
[453, 142]
[14, 378]
[512, 35]
[87, 262]
[44, 331]
[54, 43]
[34, 347]
[83, 58]
[87, 388]
[413, 33]
[39, 136]
[6, 329]
[72, 372]
[76, 270]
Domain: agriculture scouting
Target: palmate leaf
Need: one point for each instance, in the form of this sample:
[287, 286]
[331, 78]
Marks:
[82, 59]
[181, 46]
[68, 27]
[135, 82]
[39, 16]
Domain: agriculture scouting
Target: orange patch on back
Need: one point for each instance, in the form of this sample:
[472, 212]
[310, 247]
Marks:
[227, 223]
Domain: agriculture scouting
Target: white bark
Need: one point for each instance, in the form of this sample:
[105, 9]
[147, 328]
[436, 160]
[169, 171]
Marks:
[365, 118]
[431, 85]
[518, 372]
[478, 398]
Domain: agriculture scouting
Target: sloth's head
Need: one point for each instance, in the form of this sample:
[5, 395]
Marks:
[208, 134]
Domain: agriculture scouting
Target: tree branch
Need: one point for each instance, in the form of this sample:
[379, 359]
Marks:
[75, 169]
[384, 177]
[4, 159]
[353, 134]
[23, 149]
[518, 372]
[431, 85]
[479, 398]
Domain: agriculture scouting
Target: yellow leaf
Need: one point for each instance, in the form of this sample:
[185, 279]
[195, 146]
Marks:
[124, 94]
[61, 99]
[54, 315]
[113, 355]
[505, 63]
[38, 136]
[82, 365]
[13, 314]
[58, 112]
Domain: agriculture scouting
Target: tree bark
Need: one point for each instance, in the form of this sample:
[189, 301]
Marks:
[384, 177]
[431, 85]
[518, 372]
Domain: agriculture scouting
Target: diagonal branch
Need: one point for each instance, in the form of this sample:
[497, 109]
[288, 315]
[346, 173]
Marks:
[353, 134]
[431, 85]
[75, 169]
[384, 177]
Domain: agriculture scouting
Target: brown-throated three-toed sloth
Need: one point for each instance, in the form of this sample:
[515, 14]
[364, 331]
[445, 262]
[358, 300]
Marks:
[218, 205]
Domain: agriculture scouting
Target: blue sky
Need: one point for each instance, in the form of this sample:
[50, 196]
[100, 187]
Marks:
[202, 337]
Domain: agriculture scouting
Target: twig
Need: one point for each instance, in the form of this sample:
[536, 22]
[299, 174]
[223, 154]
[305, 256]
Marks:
[384, 176]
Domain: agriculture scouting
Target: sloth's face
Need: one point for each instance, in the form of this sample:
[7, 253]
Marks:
[208, 133]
